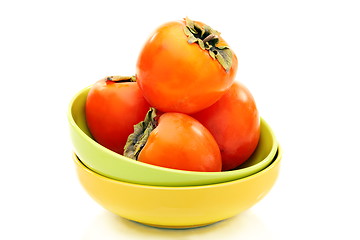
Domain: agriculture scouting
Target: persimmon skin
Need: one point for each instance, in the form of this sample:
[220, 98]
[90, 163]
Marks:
[181, 142]
[234, 122]
[176, 76]
[112, 109]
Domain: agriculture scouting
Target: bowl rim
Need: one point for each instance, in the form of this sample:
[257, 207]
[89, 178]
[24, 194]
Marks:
[72, 122]
[276, 160]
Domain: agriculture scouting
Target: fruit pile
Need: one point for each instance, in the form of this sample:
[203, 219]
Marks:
[183, 108]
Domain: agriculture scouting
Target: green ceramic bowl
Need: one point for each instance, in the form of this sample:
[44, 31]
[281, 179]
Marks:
[115, 166]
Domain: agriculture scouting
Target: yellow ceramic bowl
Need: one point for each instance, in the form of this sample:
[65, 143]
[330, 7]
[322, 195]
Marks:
[178, 207]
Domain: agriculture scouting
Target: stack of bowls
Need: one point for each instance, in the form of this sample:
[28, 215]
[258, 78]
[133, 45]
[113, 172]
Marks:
[166, 197]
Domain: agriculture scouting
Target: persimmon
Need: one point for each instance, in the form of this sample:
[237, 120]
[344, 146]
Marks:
[185, 66]
[113, 106]
[234, 121]
[174, 140]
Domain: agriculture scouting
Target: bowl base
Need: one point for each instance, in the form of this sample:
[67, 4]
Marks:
[177, 227]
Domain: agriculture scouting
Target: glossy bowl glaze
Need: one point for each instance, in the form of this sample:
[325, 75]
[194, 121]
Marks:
[178, 207]
[115, 166]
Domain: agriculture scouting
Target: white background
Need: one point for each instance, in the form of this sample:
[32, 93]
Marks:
[300, 59]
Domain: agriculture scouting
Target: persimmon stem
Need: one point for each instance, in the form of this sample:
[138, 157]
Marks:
[137, 140]
[209, 38]
[121, 78]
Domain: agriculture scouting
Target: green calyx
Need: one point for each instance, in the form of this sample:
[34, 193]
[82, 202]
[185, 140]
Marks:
[208, 38]
[117, 79]
[137, 140]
